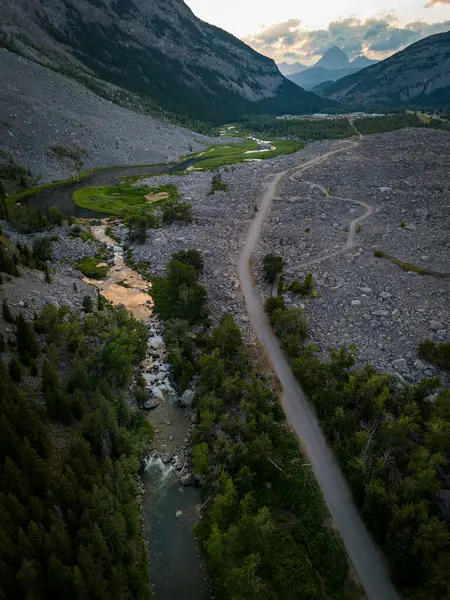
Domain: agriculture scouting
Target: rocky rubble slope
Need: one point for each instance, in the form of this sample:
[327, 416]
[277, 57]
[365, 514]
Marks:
[41, 109]
[362, 299]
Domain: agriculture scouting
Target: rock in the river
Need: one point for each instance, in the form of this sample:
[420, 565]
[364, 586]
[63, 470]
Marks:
[187, 398]
[186, 480]
[166, 458]
[150, 404]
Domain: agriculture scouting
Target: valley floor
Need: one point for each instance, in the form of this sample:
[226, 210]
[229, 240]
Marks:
[361, 299]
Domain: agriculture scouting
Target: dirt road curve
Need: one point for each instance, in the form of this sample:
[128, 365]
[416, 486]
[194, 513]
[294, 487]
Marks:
[360, 547]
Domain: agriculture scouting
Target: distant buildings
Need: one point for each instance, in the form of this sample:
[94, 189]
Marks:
[327, 117]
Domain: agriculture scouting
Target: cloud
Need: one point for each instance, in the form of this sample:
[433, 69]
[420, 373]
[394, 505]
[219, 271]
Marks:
[436, 2]
[374, 37]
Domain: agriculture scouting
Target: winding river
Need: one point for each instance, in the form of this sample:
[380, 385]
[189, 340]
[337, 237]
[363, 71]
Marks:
[169, 509]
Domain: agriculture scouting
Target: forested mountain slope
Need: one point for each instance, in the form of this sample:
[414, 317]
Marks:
[417, 76]
[156, 48]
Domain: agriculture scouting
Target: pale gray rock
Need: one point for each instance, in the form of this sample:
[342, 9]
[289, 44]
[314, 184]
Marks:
[401, 365]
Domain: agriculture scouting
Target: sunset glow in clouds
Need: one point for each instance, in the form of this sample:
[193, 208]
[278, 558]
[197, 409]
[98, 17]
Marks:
[289, 30]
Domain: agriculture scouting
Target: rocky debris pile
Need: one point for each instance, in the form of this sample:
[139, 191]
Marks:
[362, 299]
[220, 226]
[42, 109]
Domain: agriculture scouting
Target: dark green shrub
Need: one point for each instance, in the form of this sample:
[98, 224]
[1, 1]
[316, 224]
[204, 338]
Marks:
[436, 354]
[33, 369]
[88, 305]
[14, 369]
[89, 267]
[273, 266]
[273, 303]
[48, 274]
[190, 257]
[141, 395]
[217, 185]
[6, 312]
[26, 338]
[42, 249]
[54, 216]
[176, 210]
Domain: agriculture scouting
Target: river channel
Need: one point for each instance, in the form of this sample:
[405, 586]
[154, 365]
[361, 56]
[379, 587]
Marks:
[169, 509]
[62, 196]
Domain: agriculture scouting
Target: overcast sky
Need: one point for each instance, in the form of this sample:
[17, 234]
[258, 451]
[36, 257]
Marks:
[290, 30]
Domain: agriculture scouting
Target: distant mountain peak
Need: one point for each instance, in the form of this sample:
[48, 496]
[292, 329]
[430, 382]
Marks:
[361, 62]
[286, 68]
[334, 58]
[418, 76]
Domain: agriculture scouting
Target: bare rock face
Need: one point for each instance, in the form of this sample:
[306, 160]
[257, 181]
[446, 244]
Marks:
[418, 75]
[158, 48]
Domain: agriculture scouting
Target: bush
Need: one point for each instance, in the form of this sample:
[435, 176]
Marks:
[177, 210]
[54, 216]
[141, 394]
[14, 369]
[217, 185]
[273, 266]
[304, 289]
[88, 305]
[48, 274]
[8, 262]
[273, 303]
[138, 225]
[42, 249]
[90, 268]
[190, 257]
[295, 288]
[436, 354]
[6, 312]
[378, 253]
[33, 369]
[26, 338]
[291, 328]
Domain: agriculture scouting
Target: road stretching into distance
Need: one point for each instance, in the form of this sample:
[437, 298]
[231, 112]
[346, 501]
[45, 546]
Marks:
[361, 549]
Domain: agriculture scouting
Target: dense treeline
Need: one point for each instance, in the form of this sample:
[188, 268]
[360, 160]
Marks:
[301, 129]
[69, 519]
[264, 529]
[396, 121]
[393, 443]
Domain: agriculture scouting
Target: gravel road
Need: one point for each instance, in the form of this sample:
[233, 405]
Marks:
[360, 547]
